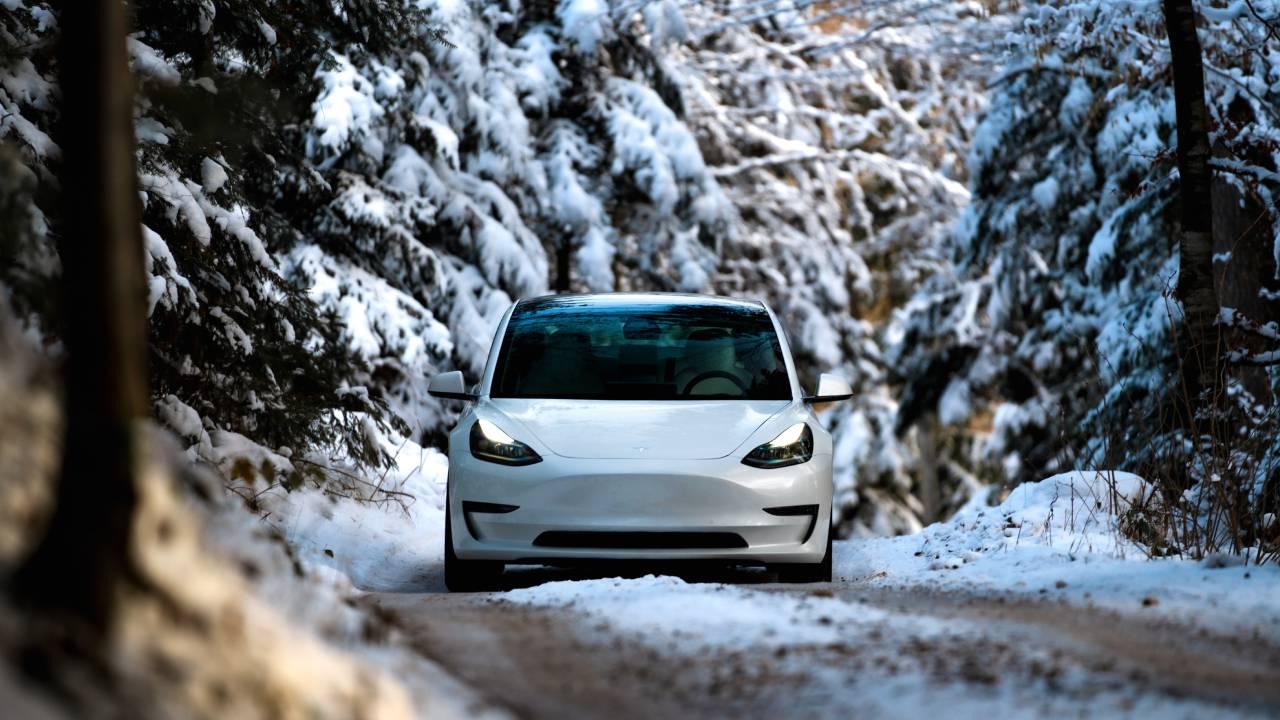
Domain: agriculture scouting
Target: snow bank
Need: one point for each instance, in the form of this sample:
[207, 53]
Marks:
[1066, 518]
[380, 547]
[1060, 537]
[309, 555]
[305, 549]
[1073, 513]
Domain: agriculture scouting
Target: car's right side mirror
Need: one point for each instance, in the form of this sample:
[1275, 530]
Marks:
[449, 385]
[831, 388]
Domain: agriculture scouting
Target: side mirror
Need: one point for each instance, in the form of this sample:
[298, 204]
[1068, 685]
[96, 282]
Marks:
[831, 388]
[449, 385]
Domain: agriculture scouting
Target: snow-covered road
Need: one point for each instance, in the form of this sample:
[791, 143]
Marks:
[735, 644]
[1035, 607]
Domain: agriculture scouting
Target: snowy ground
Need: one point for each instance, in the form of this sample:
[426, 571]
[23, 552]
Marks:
[338, 546]
[1036, 606]
[377, 546]
[1058, 538]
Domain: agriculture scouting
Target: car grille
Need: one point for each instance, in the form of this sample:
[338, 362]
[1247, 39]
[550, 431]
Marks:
[640, 540]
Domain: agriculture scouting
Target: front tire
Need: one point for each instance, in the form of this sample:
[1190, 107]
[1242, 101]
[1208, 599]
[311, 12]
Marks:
[467, 575]
[809, 572]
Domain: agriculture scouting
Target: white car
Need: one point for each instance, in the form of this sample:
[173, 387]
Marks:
[638, 426]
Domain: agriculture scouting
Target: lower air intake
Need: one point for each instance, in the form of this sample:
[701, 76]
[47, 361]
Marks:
[641, 540]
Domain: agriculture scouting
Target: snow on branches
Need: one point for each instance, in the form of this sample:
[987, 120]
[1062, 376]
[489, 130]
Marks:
[1064, 258]
[356, 208]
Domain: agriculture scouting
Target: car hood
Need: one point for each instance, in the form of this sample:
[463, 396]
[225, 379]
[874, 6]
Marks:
[640, 429]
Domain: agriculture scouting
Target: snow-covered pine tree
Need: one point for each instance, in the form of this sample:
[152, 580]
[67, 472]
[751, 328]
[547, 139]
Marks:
[1056, 330]
[225, 185]
[840, 131]
[27, 259]
[409, 189]
[242, 91]
[586, 145]
[535, 149]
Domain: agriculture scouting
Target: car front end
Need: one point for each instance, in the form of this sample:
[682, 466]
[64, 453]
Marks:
[560, 509]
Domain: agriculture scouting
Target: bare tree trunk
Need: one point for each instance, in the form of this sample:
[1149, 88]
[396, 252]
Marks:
[79, 566]
[564, 263]
[930, 487]
[1195, 236]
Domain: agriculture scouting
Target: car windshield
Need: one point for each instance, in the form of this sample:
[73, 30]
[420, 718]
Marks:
[562, 348]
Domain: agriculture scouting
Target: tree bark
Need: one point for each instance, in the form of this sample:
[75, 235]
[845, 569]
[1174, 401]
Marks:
[564, 264]
[930, 487]
[78, 567]
[1195, 236]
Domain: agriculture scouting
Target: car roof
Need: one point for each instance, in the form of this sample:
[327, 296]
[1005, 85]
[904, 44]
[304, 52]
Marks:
[635, 298]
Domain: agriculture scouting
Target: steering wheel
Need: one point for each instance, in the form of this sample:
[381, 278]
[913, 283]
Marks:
[713, 374]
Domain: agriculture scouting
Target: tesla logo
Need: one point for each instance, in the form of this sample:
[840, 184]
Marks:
[639, 449]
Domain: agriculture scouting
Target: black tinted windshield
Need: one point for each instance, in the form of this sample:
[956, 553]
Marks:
[562, 348]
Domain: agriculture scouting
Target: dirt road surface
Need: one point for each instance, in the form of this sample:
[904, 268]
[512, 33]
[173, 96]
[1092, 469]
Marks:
[921, 652]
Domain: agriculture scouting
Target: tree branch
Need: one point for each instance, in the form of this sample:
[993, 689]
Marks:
[1236, 320]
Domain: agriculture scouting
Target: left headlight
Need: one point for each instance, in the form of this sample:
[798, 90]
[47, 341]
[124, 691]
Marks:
[489, 442]
[792, 447]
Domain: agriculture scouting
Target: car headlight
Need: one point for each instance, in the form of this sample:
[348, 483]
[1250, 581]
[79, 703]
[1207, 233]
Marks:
[489, 442]
[792, 447]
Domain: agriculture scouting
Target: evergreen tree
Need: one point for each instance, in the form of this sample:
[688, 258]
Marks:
[339, 203]
[1059, 323]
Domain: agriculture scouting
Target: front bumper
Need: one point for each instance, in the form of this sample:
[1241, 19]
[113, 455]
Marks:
[575, 509]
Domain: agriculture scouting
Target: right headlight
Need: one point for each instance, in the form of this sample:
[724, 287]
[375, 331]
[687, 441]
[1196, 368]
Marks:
[489, 442]
[792, 447]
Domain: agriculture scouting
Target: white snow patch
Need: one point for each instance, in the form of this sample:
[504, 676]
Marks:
[182, 204]
[383, 547]
[673, 613]
[584, 22]
[268, 32]
[149, 64]
[1075, 106]
[954, 405]
[165, 285]
[212, 175]
[345, 108]
[150, 130]
[1045, 193]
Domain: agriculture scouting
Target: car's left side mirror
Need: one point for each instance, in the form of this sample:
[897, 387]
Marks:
[449, 385]
[831, 388]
